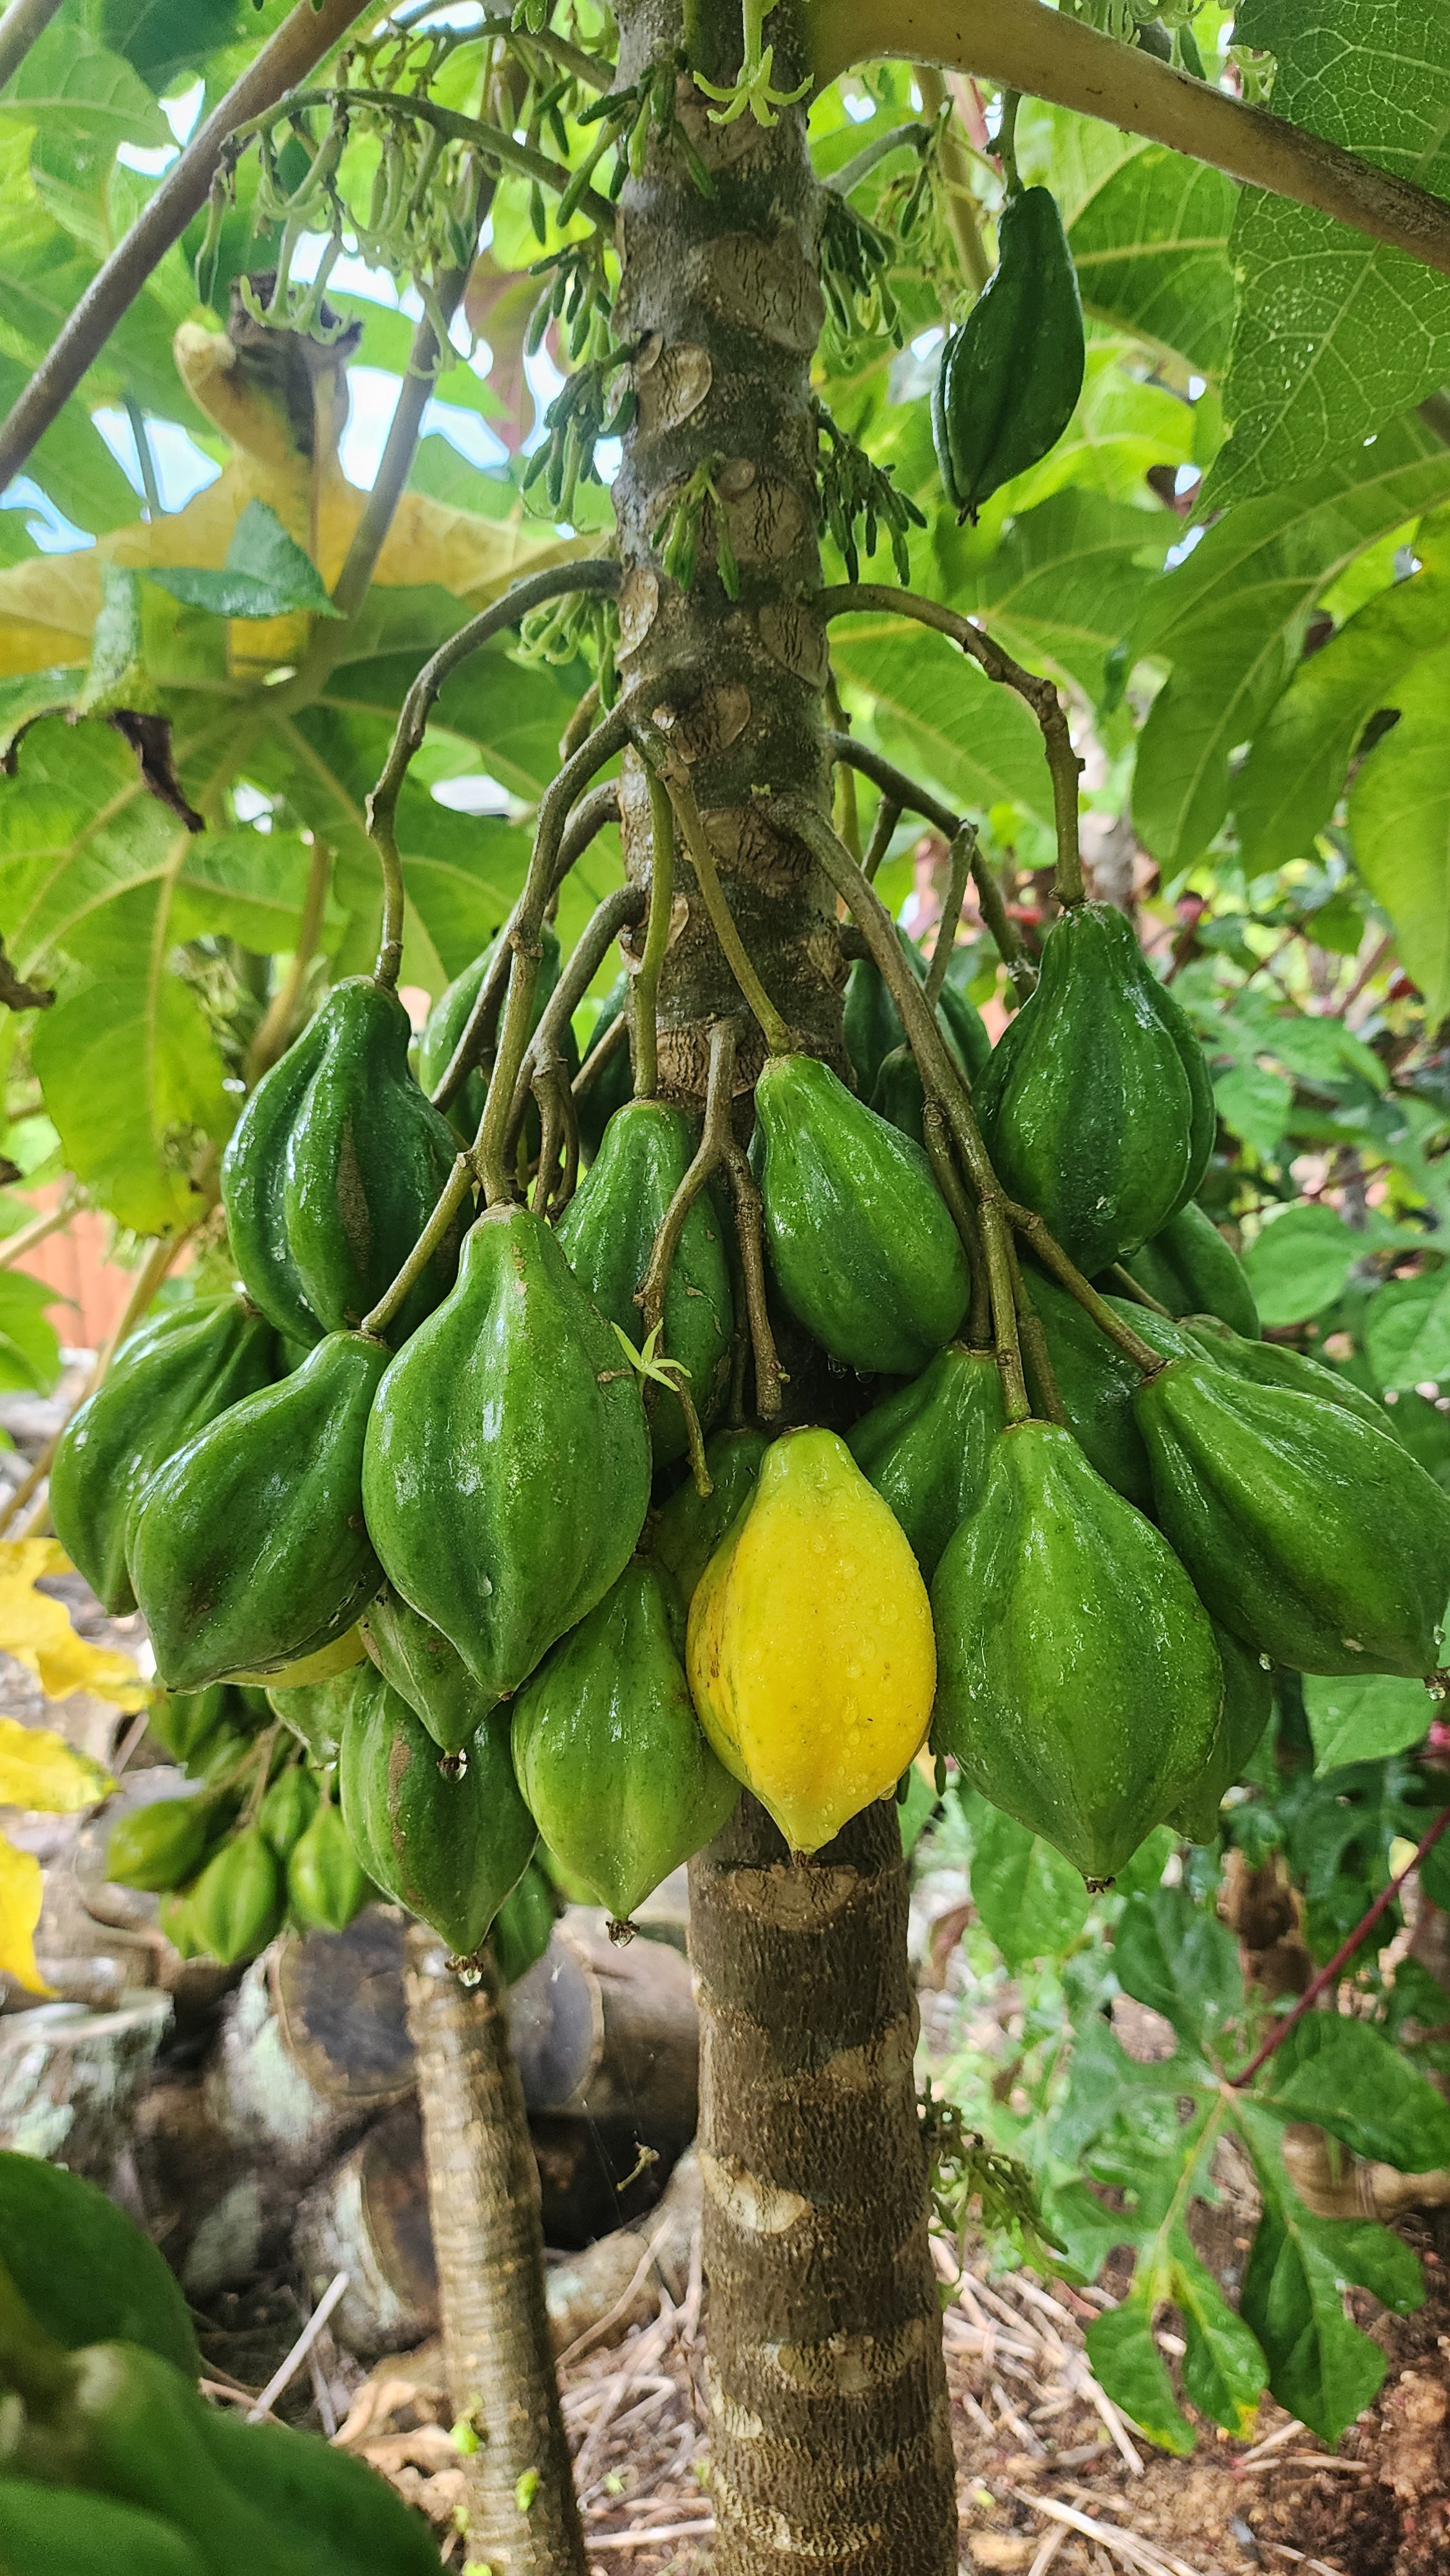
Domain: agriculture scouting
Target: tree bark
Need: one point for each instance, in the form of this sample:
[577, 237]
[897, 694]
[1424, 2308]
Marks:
[489, 2245]
[831, 2438]
[832, 2443]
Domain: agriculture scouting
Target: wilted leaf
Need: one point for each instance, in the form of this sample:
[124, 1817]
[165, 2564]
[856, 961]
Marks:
[39, 1770]
[36, 1630]
[22, 1890]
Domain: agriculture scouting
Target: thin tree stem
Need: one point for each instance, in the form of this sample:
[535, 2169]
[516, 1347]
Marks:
[962, 852]
[714, 1144]
[53, 1221]
[663, 761]
[1027, 47]
[1027, 1223]
[900, 792]
[914, 136]
[949, 1182]
[1063, 765]
[1041, 1374]
[883, 831]
[625, 904]
[300, 43]
[23, 21]
[647, 981]
[615, 1037]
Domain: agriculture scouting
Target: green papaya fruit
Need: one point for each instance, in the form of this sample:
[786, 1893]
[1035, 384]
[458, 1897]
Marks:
[1248, 1705]
[248, 1548]
[68, 2531]
[1097, 1384]
[862, 1245]
[239, 1900]
[507, 1469]
[326, 1884]
[900, 1094]
[523, 1923]
[614, 1084]
[873, 1028]
[429, 1673]
[927, 1447]
[159, 1392]
[1011, 374]
[608, 1231]
[288, 1808]
[1190, 1269]
[328, 1186]
[316, 1712]
[1316, 1539]
[162, 1845]
[1078, 1684]
[175, 1919]
[188, 1722]
[448, 1848]
[1272, 1364]
[449, 1017]
[692, 1524]
[608, 1750]
[1087, 1105]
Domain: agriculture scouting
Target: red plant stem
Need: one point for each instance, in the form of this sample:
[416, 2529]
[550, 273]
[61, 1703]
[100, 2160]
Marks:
[1341, 1958]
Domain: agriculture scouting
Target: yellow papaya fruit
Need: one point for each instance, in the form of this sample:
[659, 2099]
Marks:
[810, 1652]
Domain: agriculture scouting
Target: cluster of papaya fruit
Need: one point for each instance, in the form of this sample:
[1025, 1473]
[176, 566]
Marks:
[461, 1563]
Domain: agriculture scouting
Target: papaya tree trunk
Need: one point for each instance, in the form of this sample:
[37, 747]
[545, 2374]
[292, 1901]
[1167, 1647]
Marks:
[830, 2429]
[483, 2199]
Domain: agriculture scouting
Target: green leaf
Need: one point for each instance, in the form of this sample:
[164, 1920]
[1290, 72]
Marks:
[1149, 232]
[29, 1344]
[1300, 1264]
[1364, 1718]
[1407, 1330]
[1224, 2370]
[249, 886]
[70, 85]
[83, 2269]
[1348, 2078]
[934, 710]
[1399, 816]
[1031, 1901]
[1320, 2366]
[1255, 1104]
[1172, 1955]
[1336, 333]
[1128, 2364]
[1296, 769]
[1066, 582]
[1140, 1875]
[266, 574]
[163, 38]
[1231, 619]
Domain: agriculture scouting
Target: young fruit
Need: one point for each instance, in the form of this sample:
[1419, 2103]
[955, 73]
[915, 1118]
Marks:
[1315, 1538]
[1190, 1269]
[523, 1923]
[1097, 1107]
[1271, 1364]
[1011, 374]
[449, 1017]
[866, 1255]
[1080, 1686]
[692, 1524]
[608, 1751]
[248, 1549]
[810, 1651]
[288, 1809]
[333, 1170]
[926, 1449]
[162, 1845]
[1248, 1705]
[326, 1885]
[316, 1712]
[608, 1231]
[162, 1388]
[448, 1847]
[429, 1673]
[186, 1722]
[507, 1471]
[239, 1900]
[1097, 1384]
[873, 1027]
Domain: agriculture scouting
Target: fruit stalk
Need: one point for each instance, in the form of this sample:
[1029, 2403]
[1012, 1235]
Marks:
[902, 794]
[483, 2194]
[647, 982]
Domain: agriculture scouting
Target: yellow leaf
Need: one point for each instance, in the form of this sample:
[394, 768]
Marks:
[20, 1895]
[38, 1769]
[37, 1631]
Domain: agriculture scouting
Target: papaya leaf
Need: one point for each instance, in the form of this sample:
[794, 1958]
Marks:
[1180, 1960]
[71, 86]
[249, 886]
[1300, 1264]
[21, 1892]
[1224, 2371]
[1149, 232]
[1336, 333]
[266, 574]
[938, 713]
[84, 2270]
[1399, 817]
[1031, 1901]
[1348, 2078]
[1363, 1718]
[1407, 1330]
[1067, 580]
[1129, 2366]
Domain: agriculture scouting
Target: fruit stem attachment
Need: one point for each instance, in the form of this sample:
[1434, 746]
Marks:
[664, 763]
[719, 1148]
[898, 791]
[940, 1077]
[489, 1148]
[382, 804]
[883, 831]
[1334, 1968]
[1127, 1286]
[1027, 1223]
[657, 939]
[1042, 1376]
[959, 861]
[949, 1182]
[1064, 766]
